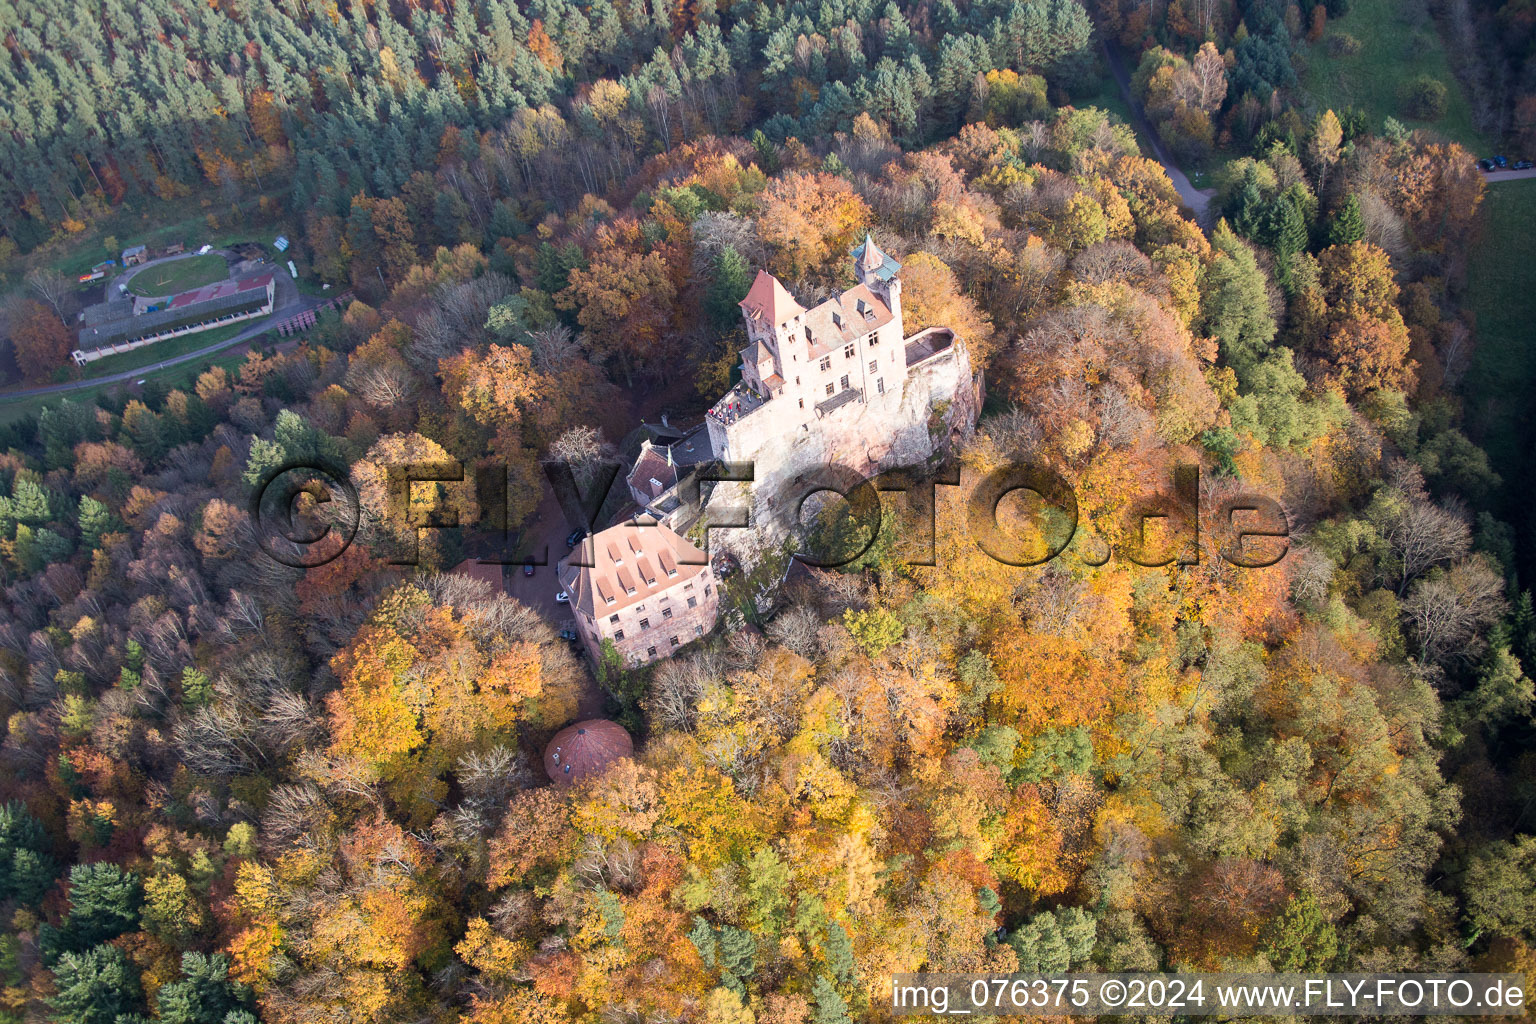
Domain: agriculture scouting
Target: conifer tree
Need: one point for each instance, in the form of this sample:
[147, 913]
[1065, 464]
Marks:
[1347, 225]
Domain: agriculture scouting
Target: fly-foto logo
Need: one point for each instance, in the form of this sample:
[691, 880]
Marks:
[1018, 514]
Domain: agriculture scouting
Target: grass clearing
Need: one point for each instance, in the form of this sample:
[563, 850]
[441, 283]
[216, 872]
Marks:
[1398, 41]
[1501, 290]
[182, 376]
[1108, 98]
[179, 275]
[163, 350]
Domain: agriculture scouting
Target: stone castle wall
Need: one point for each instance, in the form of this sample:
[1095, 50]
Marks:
[936, 406]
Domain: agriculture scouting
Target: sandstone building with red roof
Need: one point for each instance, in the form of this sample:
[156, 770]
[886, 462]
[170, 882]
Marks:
[641, 586]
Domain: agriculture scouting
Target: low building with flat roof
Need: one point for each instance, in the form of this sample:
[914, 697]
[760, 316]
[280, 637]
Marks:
[122, 326]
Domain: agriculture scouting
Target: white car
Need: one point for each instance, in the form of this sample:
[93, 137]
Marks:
[562, 598]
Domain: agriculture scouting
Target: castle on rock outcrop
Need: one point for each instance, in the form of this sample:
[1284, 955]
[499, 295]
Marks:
[839, 384]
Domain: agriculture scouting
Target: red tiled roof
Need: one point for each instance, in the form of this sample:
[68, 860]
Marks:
[769, 299]
[618, 553]
[585, 749]
[652, 465]
[838, 321]
[219, 291]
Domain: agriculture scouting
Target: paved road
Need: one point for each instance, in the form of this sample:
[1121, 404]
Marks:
[288, 302]
[1198, 200]
[1509, 175]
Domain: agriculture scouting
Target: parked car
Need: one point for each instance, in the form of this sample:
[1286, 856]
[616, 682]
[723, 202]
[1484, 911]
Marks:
[1522, 165]
[576, 537]
[1501, 162]
[1485, 165]
[568, 634]
[562, 598]
[527, 568]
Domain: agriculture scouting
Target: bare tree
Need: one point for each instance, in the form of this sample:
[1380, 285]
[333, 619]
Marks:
[554, 348]
[796, 628]
[56, 289]
[584, 450]
[1448, 612]
[1421, 534]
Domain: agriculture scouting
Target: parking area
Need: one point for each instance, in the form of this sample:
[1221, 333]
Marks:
[546, 543]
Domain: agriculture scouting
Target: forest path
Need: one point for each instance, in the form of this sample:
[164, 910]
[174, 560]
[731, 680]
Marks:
[1198, 200]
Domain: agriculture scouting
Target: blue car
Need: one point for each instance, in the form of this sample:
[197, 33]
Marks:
[1501, 162]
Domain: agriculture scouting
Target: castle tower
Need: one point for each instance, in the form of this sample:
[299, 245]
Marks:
[877, 271]
[772, 314]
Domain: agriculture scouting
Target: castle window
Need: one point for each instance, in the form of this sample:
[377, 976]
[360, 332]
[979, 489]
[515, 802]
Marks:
[829, 389]
[797, 382]
[880, 385]
[802, 403]
[874, 364]
[848, 352]
[874, 339]
[666, 613]
[698, 630]
[826, 364]
[674, 641]
[650, 652]
[670, 574]
[844, 382]
[613, 618]
[645, 623]
[706, 591]
[687, 586]
[618, 634]
[692, 601]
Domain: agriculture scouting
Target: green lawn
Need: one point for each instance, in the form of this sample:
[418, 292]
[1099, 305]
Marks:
[163, 350]
[1501, 290]
[179, 275]
[1396, 45]
[183, 377]
[1109, 99]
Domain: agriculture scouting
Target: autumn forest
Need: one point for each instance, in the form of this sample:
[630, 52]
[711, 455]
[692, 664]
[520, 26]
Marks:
[233, 791]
